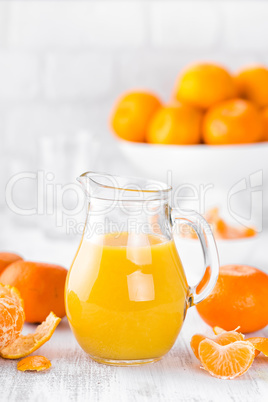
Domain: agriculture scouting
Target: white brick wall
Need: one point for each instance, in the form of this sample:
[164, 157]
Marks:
[76, 76]
[63, 63]
[76, 23]
[151, 71]
[188, 25]
[40, 24]
[245, 25]
[3, 22]
[19, 76]
[25, 125]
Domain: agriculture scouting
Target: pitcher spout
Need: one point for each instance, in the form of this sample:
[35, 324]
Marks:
[96, 185]
[104, 186]
[87, 184]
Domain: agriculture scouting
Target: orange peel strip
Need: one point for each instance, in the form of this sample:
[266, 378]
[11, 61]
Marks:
[27, 344]
[34, 363]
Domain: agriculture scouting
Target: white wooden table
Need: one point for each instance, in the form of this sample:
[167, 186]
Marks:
[75, 377]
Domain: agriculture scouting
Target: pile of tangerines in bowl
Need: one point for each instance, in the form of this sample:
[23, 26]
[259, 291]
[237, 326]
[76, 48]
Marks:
[208, 105]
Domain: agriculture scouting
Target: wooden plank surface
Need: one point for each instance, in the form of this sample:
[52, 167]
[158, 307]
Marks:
[177, 377]
[75, 377]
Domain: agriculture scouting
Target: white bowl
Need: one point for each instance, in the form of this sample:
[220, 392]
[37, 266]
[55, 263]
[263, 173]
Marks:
[234, 177]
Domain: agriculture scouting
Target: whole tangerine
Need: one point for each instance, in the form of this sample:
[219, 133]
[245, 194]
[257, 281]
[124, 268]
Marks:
[179, 124]
[235, 121]
[239, 298]
[41, 287]
[7, 259]
[203, 85]
[132, 114]
[264, 114]
[252, 84]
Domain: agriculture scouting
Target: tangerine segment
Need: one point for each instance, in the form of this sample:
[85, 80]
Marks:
[34, 363]
[223, 339]
[11, 315]
[219, 330]
[226, 361]
[27, 344]
[260, 344]
[195, 342]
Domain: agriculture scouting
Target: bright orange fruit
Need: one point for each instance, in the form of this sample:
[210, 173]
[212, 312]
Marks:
[222, 339]
[260, 344]
[180, 124]
[132, 114]
[11, 315]
[34, 363]
[41, 287]
[236, 121]
[226, 361]
[239, 299]
[264, 114]
[7, 259]
[24, 345]
[203, 85]
[222, 230]
[252, 84]
[219, 330]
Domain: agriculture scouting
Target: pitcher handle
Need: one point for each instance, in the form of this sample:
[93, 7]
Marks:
[209, 248]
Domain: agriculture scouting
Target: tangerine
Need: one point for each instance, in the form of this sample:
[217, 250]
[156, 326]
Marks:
[203, 85]
[264, 114]
[11, 315]
[41, 286]
[239, 299]
[132, 114]
[179, 124]
[235, 121]
[252, 84]
[7, 259]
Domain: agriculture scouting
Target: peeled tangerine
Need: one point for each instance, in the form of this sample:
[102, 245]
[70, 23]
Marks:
[260, 343]
[11, 315]
[13, 345]
[222, 339]
[27, 344]
[228, 355]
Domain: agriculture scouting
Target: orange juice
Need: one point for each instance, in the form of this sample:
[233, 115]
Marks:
[126, 296]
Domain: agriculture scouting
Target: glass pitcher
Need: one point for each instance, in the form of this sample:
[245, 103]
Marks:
[126, 292]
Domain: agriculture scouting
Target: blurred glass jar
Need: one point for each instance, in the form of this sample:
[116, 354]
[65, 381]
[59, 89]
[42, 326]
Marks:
[60, 200]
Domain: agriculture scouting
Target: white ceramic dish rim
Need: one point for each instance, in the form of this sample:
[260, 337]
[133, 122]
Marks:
[226, 241]
[202, 147]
